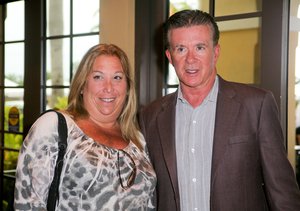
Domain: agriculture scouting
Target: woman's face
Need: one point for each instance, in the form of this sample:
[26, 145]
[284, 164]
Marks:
[105, 90]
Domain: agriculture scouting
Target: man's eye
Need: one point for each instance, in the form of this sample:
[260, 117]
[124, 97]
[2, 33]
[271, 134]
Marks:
[180, 50]
[200, 48]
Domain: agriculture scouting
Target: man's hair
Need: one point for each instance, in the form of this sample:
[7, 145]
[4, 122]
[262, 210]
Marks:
[187, 18]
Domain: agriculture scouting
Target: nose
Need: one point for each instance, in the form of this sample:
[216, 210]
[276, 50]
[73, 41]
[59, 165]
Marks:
[190, 57]
[108, 86]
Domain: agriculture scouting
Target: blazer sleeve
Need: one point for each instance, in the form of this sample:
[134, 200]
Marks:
[279, 178]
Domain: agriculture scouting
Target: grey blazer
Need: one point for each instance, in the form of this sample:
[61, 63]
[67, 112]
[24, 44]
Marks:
[250, 170]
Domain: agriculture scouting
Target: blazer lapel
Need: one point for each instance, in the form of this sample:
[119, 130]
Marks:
[226, 112]
[166, 128]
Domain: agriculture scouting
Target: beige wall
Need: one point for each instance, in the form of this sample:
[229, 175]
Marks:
[239, 55]
[291, 115]
[117, 24]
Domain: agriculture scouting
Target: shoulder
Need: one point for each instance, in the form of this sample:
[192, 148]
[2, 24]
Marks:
[242, 91]
[161, 103]
[143, 144]
[43, 132]
[47, 122]
[52, 117]
[142, 140]
[251, 98]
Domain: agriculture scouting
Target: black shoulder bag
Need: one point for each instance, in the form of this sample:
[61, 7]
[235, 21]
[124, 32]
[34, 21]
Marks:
[53, 192]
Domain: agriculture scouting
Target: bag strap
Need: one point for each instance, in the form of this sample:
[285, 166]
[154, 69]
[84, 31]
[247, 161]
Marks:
[53, 192]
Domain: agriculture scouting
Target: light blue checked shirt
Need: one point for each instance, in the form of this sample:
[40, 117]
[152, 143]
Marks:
[194, 143]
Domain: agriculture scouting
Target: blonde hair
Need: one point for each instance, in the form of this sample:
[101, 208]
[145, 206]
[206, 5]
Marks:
[127, 119]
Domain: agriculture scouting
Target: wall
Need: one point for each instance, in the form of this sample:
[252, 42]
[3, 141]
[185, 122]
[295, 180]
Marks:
[121, 32]
[239, 56]
[291, 137]
[293, 44]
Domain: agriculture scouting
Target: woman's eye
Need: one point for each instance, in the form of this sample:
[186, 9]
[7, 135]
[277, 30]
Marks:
[97, 77]
[118, 77]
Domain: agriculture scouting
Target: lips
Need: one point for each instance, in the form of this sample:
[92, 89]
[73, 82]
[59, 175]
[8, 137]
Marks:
[191, 71]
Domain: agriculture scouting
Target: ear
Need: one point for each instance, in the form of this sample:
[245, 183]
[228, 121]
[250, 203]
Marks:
[216, 52]
[168, 54]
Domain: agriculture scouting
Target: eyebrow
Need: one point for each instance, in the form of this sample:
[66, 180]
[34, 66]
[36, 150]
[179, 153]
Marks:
[99, 71]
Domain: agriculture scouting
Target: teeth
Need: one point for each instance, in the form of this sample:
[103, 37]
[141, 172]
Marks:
[107, 99]
[191, 71]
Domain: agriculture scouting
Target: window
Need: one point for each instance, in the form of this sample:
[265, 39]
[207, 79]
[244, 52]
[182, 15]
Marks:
[38, 59]
[72, 27]
[12, 94]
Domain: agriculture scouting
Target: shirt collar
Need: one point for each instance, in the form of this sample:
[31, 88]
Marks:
[211, 97]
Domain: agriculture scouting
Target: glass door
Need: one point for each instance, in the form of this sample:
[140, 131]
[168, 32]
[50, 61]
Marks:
[41, 44]
[12, 95]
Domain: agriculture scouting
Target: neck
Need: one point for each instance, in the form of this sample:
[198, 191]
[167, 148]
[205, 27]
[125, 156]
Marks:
[108, 134]
[196, 95]
[109, 125]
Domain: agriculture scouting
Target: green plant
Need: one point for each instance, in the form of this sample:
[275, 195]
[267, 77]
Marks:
[61, 103]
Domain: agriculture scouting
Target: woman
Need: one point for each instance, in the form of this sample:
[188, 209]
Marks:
[106, 166]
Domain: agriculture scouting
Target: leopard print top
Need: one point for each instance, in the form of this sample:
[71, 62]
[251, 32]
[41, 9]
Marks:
[90, 178]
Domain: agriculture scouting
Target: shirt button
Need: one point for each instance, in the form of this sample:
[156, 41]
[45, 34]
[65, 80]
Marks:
[194, 121]
[196, 208]
[193, 150]
[194, 179]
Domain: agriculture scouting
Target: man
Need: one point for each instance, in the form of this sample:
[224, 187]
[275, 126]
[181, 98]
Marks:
[215, 145]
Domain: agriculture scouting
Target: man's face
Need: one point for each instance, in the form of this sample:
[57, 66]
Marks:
[193, 55]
